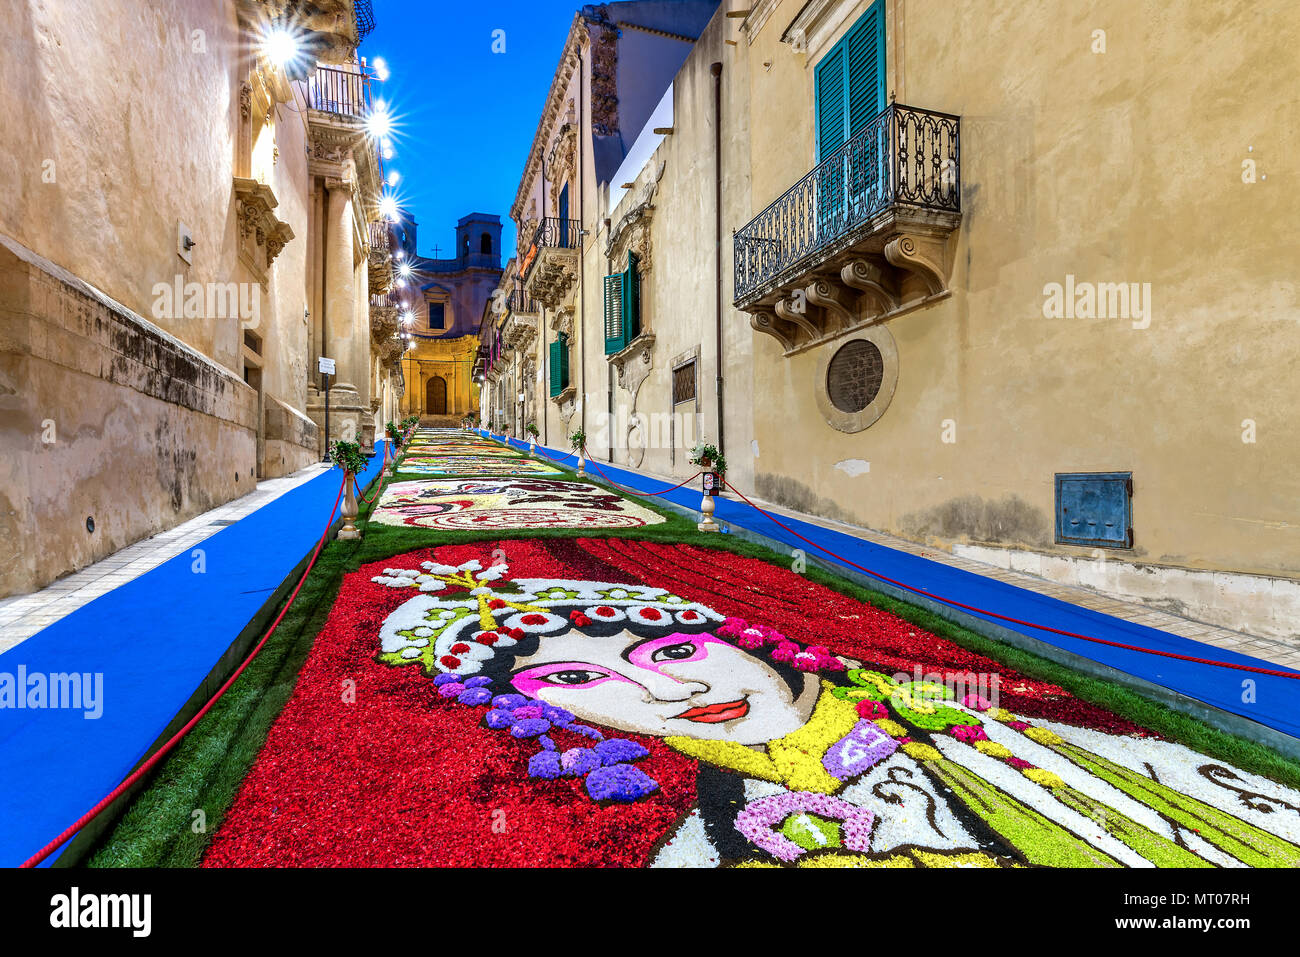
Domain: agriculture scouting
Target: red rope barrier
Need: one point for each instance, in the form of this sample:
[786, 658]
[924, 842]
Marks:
[634, 491]
[162, 752]
[1015, 621]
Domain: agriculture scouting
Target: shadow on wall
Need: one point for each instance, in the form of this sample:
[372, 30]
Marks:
[794, 494]
[1010, 521]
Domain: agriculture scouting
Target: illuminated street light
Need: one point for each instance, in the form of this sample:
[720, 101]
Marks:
[388, 208]
[381, 69]
[404, 270]
[280, 46]
[379, 123]
[393, 177]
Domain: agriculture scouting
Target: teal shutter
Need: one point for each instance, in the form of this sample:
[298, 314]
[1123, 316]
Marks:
[556, 369]
[622, 307]
[849, 82]
[614, 300]
[828, 81]
[865, 70]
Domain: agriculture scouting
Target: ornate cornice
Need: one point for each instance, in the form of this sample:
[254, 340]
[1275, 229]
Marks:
[259, 228]
[632, 231]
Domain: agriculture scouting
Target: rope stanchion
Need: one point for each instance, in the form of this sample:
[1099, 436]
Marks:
[1007, 618]
[162, 752]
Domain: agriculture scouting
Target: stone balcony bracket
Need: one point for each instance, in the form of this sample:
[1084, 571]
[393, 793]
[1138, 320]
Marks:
[634, 363]
[900, 266]
[553, 276]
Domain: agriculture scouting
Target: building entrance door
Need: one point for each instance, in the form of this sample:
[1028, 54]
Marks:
[435, 400]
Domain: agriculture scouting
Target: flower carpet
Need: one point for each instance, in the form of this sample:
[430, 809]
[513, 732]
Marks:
[504, 503]
[611, 701]
[474, 465]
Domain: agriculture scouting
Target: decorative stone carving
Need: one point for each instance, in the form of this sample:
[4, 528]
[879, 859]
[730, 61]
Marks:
[553, 276]
[258, 225]
[562, 320]
[604, 78]
[632, 231]
[898, 268]
[634, 363]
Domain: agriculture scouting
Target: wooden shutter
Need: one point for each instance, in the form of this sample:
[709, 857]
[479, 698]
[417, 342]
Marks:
[849, 82]
[829, 84]
[614, 303]
[865, 68]
[555, 368]
[631, 301]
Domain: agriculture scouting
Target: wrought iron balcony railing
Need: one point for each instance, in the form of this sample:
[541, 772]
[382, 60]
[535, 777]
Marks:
[338, 91]
[380, 236]
[557, 233]
[903, 157]
[553, 233]
[520, 302]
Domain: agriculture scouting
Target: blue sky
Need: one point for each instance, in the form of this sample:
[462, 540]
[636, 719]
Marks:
[466, 116]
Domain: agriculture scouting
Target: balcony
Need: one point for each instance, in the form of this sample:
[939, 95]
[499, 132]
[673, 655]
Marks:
[340, 91]
[550, 266]
[859, 239]
[379, 255]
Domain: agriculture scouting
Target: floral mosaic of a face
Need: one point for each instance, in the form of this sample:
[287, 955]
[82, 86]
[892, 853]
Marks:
[696, 686]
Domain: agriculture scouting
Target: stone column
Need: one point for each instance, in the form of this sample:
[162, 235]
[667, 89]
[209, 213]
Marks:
[340, 296]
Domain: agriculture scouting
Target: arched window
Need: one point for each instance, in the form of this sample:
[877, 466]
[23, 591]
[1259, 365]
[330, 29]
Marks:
[485, 244]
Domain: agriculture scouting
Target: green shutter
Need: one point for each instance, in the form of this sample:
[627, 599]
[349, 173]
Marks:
[556, 369]
[631, 301]
[614, 301]
[622, 307]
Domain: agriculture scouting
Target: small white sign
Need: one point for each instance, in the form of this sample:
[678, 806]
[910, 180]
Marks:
[326, 365]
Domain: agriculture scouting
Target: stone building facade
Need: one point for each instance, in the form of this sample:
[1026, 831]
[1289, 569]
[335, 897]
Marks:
[1005, 286]
[185, 227]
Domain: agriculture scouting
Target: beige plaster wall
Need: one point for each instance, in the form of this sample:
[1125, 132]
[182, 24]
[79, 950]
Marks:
[156, 434]
[1117, 167]
[137, 127]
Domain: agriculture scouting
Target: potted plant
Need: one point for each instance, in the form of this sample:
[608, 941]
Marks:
[579, 443]
[394, 433]
[349, 457]
[533, 432]
[709, 459]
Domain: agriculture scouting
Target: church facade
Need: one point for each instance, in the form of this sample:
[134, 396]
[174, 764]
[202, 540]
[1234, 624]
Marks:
[441, 301]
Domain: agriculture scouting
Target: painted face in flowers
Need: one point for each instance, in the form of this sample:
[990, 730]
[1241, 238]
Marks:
[692, 685]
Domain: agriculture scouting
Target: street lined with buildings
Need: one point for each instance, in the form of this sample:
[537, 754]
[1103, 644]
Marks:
[859, 438]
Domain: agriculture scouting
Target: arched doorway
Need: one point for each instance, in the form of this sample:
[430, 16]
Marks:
[435, 398]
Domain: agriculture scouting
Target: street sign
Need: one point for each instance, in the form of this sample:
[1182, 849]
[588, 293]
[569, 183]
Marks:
[326, 366]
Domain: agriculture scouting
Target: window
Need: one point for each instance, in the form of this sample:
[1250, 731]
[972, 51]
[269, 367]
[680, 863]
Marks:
[854, 376]
[1094, 508]
[850, 82]
[485, 244]
[856, 379]
[622, 308]
[437, 315]
[559, 365]
[684, 383]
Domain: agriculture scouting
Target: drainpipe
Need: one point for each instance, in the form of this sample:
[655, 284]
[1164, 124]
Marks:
[716, 70]
[582, 259]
